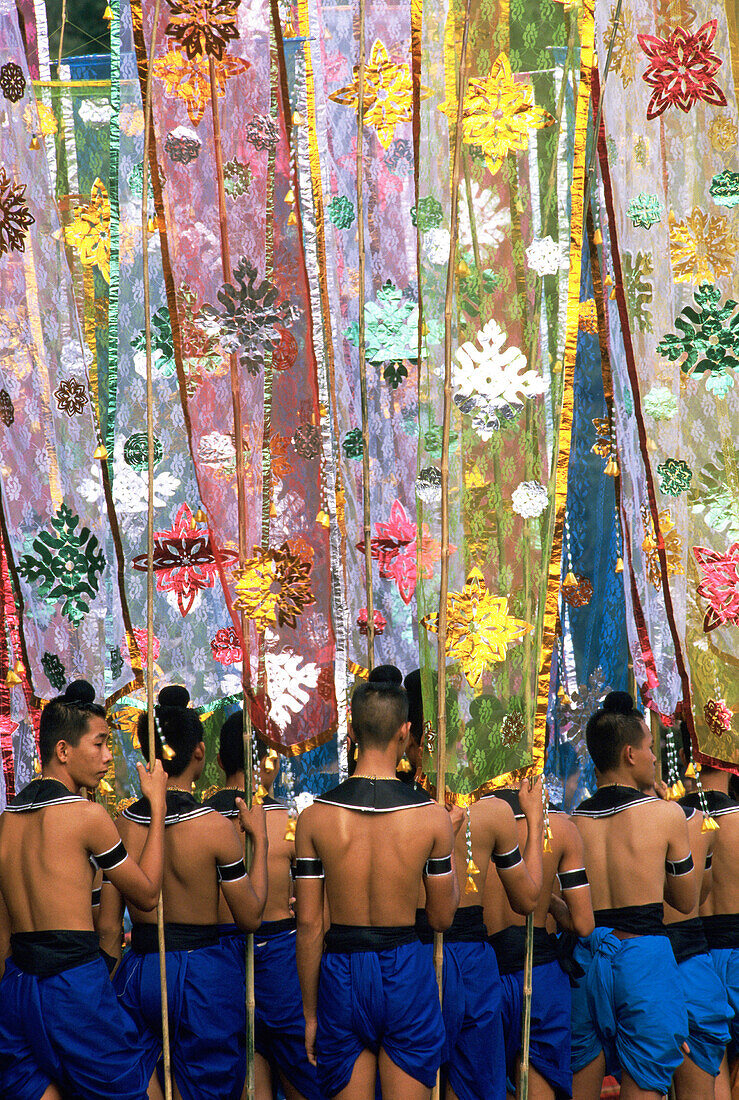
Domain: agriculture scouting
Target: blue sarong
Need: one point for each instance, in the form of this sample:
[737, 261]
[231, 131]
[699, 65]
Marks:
[629, 1004]
[473, 1056]
[709, 1012]
[205, 996]
[68, 1029]
[726, 964]
[378, 998]
[550, 1024]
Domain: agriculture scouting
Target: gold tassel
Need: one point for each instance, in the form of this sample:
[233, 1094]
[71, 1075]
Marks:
[608, 281]
[101, 453]
[597, 237]
[471, 887]
[151, 225]
[167, 752]
[547, 843]
[37, 768]
[298, 119]
[619, 565]
[12, 678]
[261, 793]
[105, 787]
[200, 516]
[323, 519]
[566, 699]
[612, 295]
[404, 765]
[292, 218]
[472, 868]
[108, 14]
[35, 143]
[569, 580]
[462, 270]
[709, 825]
[290, 196]
[690, 772]
[290, 831]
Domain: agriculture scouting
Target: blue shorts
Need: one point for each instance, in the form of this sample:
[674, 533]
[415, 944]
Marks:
[629, 1005]
[279, 1021]
[708, 1012]
[373, 999]
[67, 1029]
[726, 964]
[473, 1056]
[550, 1024]
[206, 999]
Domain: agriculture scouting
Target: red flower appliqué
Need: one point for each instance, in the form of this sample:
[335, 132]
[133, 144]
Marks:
[681, 69]
[184, 561]
[226, 646]
[720, 585]
[394, 549]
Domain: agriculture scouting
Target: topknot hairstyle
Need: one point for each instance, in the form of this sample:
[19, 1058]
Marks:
[613, 727]
[231, 744]
[412, 684]
[385, 674]
[379, 708]
[66, 718]
[177, 725]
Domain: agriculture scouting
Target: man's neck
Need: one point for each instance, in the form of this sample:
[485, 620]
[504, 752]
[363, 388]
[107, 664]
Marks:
[713, 779]
[57, 771]
[182, 782]
[235, 782]
[616, 778]
[376, 763]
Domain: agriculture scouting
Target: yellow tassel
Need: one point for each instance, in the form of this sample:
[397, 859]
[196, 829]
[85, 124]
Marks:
[690, 772]
[472, 868]
[608, 281]
[709, 825]
[290, 196]
[167, 752]
[200, 516]
[105, 787]
[651, 445]
[471, 887]
[323, 519]
[292, 218]
[404, 765]
[12, 678]
[261, 793]
[462, 270]
[272, 509]
[612, 295]
[680, 789]
[151, 225]
[547, 843]
[37, 767]
[290, 830]
[611, 469]
[35, 143]
[619, 565]
[569, 580]
[298, 119]
[101, 453]
[597, 237]
[566, 699]
[108, 14]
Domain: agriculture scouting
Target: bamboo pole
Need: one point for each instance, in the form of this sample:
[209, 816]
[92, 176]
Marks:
[528, 971]
[441, 735]
[367, 517]
[150, 535]
[250, 1085]
[656, 729]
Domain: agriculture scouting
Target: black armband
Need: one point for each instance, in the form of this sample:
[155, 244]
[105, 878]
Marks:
[507, 860]
[440, 866]
[709, 861]
[96, 897]
[680, 866]
[308, 868]
[114, 857]
[571, 880]
[231, 872]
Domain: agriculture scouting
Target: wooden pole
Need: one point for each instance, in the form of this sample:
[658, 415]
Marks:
[446, 428]
[656, 728]
[150, 535]
[528, 971]
[367, 517]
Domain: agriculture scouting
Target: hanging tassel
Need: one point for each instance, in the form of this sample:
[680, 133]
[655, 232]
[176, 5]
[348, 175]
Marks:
[12, 679]
[709, 825]
[292, 218]
[261, 793]
[290, 830]
[471, 886]
[404, 765]
[597, 237]
[472, 868]
[619, 567]
[167, 752]
[569, 580]
[35, 143]
[101, 453]
[151, 225]
[108, 14]
[690, 772]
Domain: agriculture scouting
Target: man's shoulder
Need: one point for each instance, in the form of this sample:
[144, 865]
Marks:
[377, 796]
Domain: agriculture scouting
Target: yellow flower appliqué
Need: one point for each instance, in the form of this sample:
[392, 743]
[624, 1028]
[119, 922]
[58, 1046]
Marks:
[89, 233]
[189, 79]
[499, 112]
[274, 587]
[702, 247]
[388, 93]
[479, 628]
[673, 547]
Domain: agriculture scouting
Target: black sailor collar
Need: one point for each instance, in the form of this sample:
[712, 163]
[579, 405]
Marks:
[611, 800]
[41, 793]
[375, 795]
[181, 806]
[511, 797]
[224, 801]
[718, 803]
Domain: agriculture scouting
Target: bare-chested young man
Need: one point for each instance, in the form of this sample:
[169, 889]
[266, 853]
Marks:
[628, 1013]
[720, 909]
[550, 1073]
[202, 850]
[279, 1022]
[59, 1018]
[369, 992]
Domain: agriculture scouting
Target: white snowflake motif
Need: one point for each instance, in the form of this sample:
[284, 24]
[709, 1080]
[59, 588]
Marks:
[529, 499]
[303, 801]
[130, 487]
[231, 682]
[287, 680]
[217, 449]
[436, 245]
[161, 363]
[542, 256]
[95, 114]
[491, 224]
[493, 373]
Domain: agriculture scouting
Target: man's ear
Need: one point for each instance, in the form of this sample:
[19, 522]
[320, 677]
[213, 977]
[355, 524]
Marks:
[61, 751]
[199, 753]
[628, 755]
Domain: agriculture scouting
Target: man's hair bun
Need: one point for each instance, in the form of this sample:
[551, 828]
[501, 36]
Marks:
[173, 696]
[618, 702]
[79, 693]
[386, 674]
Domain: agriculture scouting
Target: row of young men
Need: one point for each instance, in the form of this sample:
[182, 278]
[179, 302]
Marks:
[370, 1015]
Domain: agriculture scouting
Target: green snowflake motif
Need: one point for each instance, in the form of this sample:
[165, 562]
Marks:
[725, 188]
[628, 403]
[394, 374]
[115, 660]
[341, 212]
[675, 476]
[638, 290]
[433, 439]
[135, 180]
[660, 403]
[66, 564]
[237, 178]
[712, 498]
[645, 210]
[429, 214]
[352, 443]
[612, 148]
[252, 316]
[391, 327]
[709, 341]
[54, 671]
[162, 343]
[136, 451]
[474, 286]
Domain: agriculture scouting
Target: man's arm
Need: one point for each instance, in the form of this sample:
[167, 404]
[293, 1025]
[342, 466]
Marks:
[4, 934]
[681, 881]
[140, 883]
[521, 875]
[245, 894]
[440, 874]
[110, 921]
[309, 908]
[574, 882]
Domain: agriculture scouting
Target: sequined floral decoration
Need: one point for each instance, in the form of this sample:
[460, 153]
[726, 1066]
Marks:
[675, 476]
[491, 381]
[251, 316]
[391, 327]
[529, 499]
[377, 618]
[542, 256]
[189, 79]
[479, 628]
[182, 145]
[702, 246]
[723, 133]
[388, 93]
[673, 547]
[15, 217]
[394, 549]
[274, 587]
[498, 114]
[709, 340]
[352, 443]
[719, 585]
[66, 564]
[645, 210]
[237, 178]
[512, 729]
[718, 717]
[89, 232]
[681, 69]
[429, 213]
[12, 81]
[226, 647]
[578, 594]
[203, 27]
[54, 671]
[7, 411]
[725, 188]
[660, 403]
[71, 396]
[341, 212]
